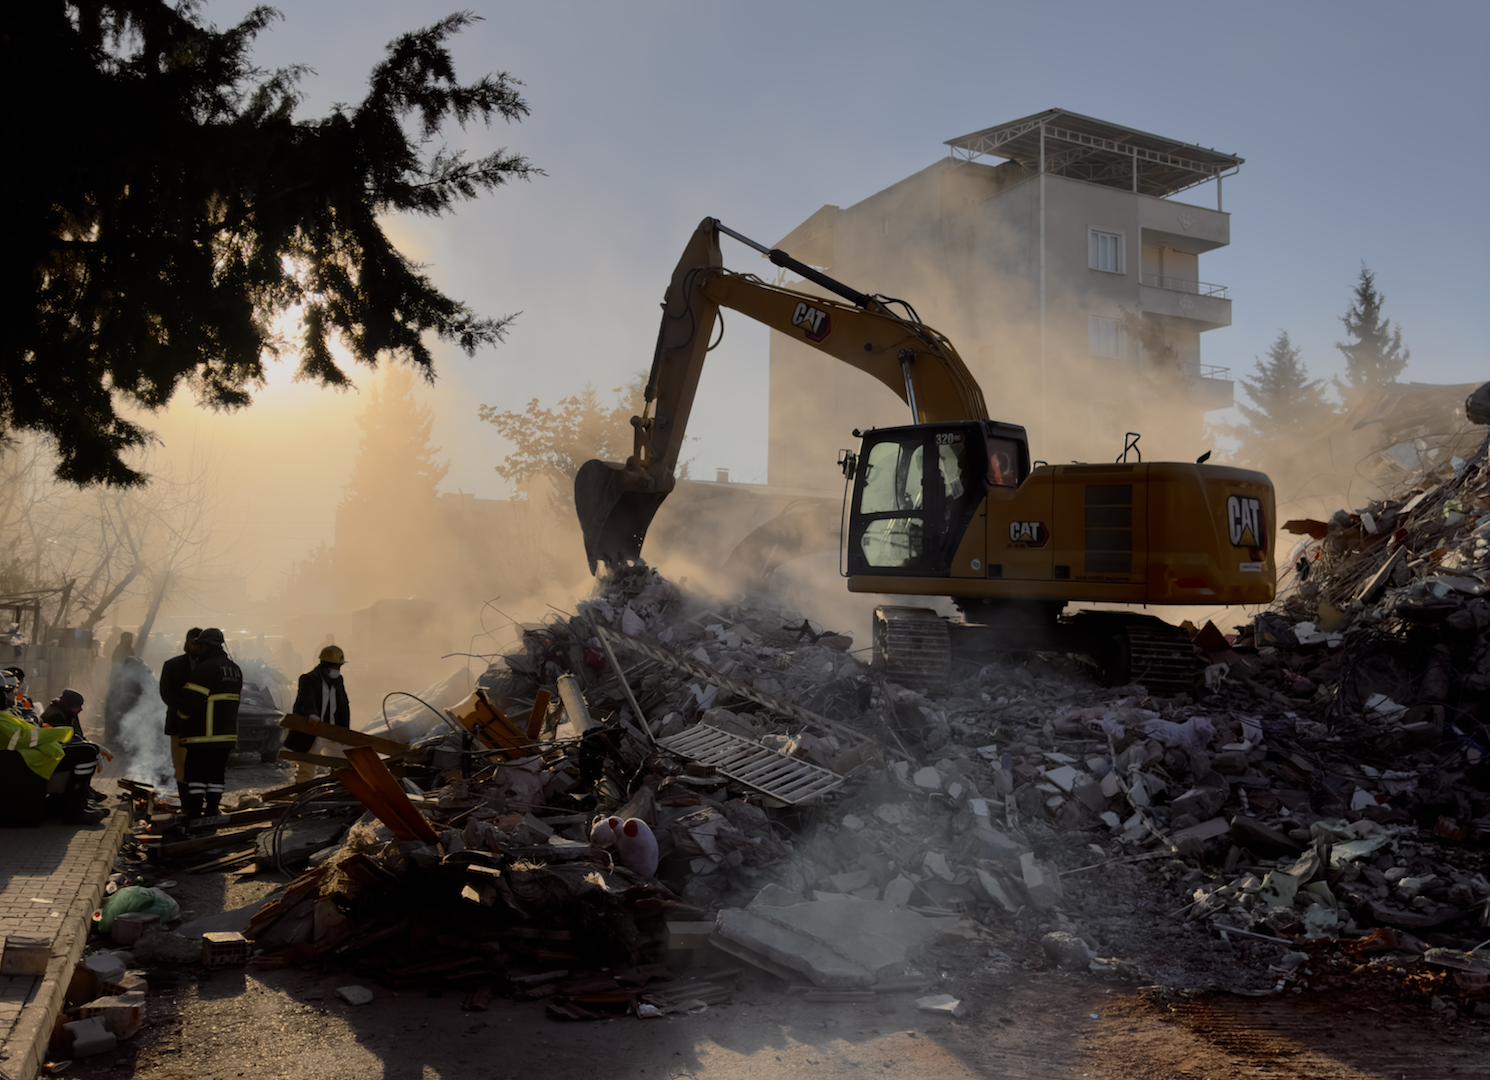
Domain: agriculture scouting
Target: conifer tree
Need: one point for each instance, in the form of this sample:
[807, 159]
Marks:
[396, 465]
[1287, 402]
[165, 207]
[388, 503]
[1375, 355]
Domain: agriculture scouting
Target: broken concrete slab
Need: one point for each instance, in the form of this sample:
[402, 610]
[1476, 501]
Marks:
[774, 895]
[788, 948]
[1041, 881]
[941, 1003]
[842, 941]
[1217, 826]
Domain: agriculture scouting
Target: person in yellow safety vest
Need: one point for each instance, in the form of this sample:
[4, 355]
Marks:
[42, 749]
[205, 719]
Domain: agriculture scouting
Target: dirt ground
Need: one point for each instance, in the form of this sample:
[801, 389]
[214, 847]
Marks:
[291, 1024]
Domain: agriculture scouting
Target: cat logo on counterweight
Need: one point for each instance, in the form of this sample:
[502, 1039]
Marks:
[1244, 521]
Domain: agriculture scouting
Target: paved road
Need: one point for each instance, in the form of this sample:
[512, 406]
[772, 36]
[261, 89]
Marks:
[51, 880]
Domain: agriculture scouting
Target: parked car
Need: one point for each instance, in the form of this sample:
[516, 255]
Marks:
[258, 723]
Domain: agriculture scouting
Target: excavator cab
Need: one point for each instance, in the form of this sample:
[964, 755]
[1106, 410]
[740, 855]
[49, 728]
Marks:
[916, 489]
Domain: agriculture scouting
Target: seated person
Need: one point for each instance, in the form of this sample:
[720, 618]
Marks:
[65, 711]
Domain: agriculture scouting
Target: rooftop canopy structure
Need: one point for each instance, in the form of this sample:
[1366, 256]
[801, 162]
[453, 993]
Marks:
[1098, 152]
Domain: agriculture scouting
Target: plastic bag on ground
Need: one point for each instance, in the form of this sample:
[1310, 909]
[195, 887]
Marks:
[137, 898]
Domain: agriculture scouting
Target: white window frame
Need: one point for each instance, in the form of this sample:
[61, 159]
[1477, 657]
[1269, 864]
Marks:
[1103, 334]
[1093, 258]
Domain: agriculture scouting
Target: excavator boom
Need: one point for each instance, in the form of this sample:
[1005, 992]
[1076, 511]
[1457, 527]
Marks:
[950, 505]
[616, 501]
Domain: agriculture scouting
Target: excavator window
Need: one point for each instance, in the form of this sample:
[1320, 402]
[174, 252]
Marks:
[1003, 462]
[917, 488]
[892, 485]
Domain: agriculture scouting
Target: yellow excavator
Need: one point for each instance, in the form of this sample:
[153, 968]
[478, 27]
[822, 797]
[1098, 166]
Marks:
[951, 505]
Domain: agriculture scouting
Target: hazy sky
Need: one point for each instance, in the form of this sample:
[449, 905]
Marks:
[1363, 124]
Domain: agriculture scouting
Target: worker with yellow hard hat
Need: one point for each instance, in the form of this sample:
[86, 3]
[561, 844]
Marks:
[321, 695]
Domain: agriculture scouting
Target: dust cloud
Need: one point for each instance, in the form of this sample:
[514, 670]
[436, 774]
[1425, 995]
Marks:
[141, 747]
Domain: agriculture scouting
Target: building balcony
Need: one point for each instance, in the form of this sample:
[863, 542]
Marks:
[1177, 298]
[1182, 226]
[1176, 284]
[1211, 386]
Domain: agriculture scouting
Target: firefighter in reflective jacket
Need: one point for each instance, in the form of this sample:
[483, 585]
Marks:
[205, 720]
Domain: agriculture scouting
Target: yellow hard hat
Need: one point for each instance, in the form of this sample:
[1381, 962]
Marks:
[332, 654]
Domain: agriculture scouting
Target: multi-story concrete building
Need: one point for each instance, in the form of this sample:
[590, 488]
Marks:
[1043, 270]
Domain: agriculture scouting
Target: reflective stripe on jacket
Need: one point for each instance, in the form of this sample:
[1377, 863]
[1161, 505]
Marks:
[40, 748]
[209, 702]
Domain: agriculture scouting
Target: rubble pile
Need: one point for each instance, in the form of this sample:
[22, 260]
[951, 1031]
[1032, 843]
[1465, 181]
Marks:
[658, 775]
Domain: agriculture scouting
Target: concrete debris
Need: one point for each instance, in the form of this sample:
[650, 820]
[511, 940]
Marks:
[839, 941]
[355, 995]
[1323, 791]
[945, 1004]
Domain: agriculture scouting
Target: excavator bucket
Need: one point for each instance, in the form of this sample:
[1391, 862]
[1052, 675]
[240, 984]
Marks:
[613, 514]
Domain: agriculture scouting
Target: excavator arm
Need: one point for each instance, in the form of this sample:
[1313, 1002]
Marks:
[616, 502]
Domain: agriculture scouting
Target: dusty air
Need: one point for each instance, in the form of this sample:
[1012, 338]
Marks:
[914, 620]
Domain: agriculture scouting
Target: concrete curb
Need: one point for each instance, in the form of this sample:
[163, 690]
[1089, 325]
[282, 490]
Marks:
[25, 1050]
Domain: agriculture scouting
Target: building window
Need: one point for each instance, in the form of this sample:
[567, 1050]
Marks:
[1105, 251]
[884, 226]
[1106, 337]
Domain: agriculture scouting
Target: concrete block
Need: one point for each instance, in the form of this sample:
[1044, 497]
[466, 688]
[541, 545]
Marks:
[936, 863]
[89, 1037]
[122, 1014]
[899, 890]
[1041, 881]
[997, 892]
[1205, 798]
[928, 779]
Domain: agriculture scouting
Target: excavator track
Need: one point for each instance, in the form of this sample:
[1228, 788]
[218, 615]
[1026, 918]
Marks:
[1138, 649]
[913, 647]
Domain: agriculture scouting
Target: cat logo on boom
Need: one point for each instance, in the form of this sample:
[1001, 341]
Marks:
[814, 322]
[1244, 521]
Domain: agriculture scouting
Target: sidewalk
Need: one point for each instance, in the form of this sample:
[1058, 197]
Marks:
[51, 880]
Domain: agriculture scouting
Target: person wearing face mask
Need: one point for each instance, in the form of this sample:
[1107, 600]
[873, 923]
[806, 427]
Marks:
[321, 695]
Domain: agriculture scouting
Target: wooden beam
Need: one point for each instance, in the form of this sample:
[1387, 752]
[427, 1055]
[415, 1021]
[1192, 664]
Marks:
[340, 735]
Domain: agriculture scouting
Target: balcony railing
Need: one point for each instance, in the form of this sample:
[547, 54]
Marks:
[1194, 288]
